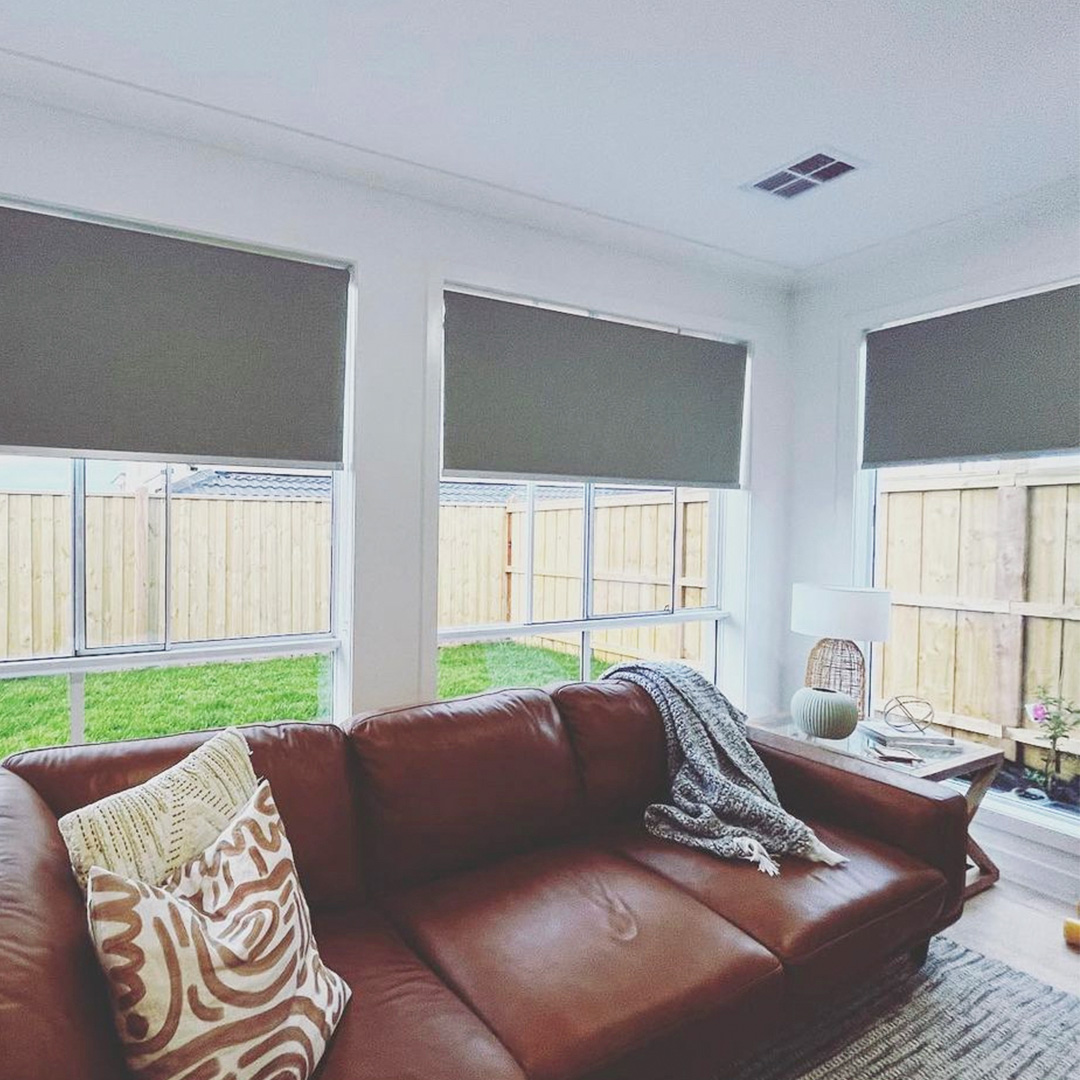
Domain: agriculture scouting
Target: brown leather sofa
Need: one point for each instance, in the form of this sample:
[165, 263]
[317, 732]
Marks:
[479, 873]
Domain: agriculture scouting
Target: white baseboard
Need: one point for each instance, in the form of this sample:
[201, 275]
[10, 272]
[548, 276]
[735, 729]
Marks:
[1041, 855]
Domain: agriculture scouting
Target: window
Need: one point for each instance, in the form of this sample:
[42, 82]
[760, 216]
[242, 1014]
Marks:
[983, 560]
[139, 597]
[543, 581]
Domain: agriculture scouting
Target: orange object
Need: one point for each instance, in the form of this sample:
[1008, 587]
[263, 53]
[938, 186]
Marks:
[1072, 932]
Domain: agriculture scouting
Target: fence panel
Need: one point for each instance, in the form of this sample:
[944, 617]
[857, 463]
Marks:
[35, 575]
[474, 540]
[249, 567]
[239, 567]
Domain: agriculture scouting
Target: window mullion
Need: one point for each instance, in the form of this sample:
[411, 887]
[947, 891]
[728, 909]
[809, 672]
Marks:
[588, 514]
[716, 547]
[77, 707]
[676, 547]
[167, 614]
[530, 547]
[78, 555]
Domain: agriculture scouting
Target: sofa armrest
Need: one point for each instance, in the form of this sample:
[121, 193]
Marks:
[54, 1014]
[925, 819]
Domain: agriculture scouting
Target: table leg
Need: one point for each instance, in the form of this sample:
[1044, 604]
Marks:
[988, 871]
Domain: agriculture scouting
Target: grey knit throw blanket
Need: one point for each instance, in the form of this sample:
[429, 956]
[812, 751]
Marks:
[722, 796]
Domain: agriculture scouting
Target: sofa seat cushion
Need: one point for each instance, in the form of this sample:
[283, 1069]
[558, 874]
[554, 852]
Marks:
[402, 1023]
[823, 922]
[575, 956]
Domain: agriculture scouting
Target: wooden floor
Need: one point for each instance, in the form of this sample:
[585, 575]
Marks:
[1022, 929]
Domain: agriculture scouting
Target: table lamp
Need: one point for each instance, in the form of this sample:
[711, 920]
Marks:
[840, 616]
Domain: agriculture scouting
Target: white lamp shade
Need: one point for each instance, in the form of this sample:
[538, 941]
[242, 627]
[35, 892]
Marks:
[840, 612]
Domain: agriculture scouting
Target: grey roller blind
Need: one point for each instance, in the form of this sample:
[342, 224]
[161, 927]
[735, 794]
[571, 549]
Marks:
[534, 392]
[120, 341]
[995, 381]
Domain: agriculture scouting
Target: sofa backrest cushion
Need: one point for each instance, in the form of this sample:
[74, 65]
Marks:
[308, 765]
[459, 783]
[54, 1012]
[618, 738]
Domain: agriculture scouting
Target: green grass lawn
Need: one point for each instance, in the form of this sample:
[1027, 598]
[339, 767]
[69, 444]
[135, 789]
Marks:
[33, 712]
[159, 701]
[470, 669]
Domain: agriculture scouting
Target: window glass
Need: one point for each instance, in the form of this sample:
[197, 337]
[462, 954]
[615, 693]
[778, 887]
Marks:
[558, 552]
[249, 552]
[697, 514]
[125, 553]
[33, 712]
[982, 560]
[483, 552]
[524, 661]
[633, 549]
[496, 536]
[36, 606]
[693, 643]
[165, 700]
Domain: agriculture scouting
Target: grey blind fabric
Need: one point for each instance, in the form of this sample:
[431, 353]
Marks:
[534, 392]
[113, 340]
[996, 381]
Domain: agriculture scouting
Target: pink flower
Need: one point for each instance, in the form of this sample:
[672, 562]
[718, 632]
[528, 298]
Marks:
[1038, 713]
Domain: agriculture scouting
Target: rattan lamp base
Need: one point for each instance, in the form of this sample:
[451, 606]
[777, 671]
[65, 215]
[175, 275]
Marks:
[838, 664]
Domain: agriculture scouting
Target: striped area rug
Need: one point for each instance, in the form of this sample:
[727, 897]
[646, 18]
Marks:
[961, 1016]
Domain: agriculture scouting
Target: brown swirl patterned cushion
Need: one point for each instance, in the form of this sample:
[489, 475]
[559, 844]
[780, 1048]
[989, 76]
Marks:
[215, 973]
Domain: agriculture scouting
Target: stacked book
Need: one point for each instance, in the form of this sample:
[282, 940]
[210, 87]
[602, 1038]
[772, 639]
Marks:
[884, 734]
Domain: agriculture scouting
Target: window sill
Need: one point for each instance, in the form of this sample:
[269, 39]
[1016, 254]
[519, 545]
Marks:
[199, 652]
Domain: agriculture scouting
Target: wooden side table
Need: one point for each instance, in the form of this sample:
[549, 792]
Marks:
[974, 762]
[979, 765]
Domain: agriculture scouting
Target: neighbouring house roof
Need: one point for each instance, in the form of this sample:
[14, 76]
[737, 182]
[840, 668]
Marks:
[242, 484]
[239, 484]
[463, 492]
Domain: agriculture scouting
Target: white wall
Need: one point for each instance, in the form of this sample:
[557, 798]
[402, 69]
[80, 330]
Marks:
[403, 250]
[1023, 245]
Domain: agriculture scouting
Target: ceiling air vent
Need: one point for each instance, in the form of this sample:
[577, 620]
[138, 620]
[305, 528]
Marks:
[805, 175]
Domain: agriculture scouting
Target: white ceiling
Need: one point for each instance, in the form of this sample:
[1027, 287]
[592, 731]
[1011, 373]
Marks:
[650, 114]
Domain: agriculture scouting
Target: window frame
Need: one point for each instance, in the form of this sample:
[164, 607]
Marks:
[588, 621]
[85, 660]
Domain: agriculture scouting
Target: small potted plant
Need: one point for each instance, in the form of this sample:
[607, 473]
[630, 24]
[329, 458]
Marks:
[1055, 717]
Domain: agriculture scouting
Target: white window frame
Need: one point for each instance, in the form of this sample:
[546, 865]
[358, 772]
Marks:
[589, 622]
[84, 660]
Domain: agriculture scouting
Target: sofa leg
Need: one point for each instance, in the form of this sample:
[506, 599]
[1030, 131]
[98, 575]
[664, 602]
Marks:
[919, 952]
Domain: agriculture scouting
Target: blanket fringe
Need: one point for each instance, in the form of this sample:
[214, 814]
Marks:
[821, 853]
[754, 851]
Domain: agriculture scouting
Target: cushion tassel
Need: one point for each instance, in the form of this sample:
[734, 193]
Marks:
[821, 853]
[755, 852]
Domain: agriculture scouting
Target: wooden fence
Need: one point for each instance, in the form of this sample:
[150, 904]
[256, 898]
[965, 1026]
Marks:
[984, 566]
[483, 573]
[240, 567]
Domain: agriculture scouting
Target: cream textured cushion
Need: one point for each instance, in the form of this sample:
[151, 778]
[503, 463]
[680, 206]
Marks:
[148, 831]
[216, 973]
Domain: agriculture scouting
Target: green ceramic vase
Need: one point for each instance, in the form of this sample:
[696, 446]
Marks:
[825, 714]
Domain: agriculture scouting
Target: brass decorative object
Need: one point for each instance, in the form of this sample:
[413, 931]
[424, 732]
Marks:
[905, 712]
